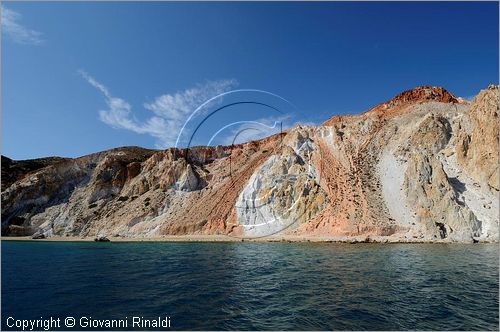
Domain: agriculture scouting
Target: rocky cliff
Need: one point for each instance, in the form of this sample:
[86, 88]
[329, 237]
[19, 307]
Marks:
[422, 166]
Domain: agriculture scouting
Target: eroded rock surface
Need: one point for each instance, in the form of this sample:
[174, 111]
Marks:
[422, 166]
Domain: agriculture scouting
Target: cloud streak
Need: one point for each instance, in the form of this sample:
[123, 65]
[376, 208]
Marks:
[180, 105]
[16, 31]
[170, 111]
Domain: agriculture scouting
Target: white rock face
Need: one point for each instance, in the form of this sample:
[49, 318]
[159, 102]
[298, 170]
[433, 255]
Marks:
[188, 181]
[423, 186]
[392, 175]
[480, 200]
[282, 193]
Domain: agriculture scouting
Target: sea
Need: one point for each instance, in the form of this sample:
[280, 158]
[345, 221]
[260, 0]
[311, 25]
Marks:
[249, 286]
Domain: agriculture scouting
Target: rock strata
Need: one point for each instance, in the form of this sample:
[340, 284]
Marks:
[420, 167]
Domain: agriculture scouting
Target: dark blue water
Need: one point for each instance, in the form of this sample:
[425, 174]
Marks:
[256, 286]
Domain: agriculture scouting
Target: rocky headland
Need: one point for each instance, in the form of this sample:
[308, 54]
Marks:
[421, 167]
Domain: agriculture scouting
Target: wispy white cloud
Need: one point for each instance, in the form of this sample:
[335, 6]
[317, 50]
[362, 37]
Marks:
[180, 105]
[16, 31]
[170, 110]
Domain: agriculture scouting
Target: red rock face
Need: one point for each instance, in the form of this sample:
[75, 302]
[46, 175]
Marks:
[399, 103]
[417, 95]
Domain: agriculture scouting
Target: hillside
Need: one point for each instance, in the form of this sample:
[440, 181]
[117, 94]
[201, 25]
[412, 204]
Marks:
[422, 166]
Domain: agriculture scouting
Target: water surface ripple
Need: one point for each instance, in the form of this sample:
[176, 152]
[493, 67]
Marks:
[256, 286]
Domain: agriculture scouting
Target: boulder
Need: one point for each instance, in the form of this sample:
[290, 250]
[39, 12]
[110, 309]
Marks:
[101, 238]
[38, 236]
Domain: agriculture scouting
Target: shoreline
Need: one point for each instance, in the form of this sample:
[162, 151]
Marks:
[226, 238]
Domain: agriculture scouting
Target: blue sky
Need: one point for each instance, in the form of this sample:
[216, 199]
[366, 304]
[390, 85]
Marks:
[84, 77]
